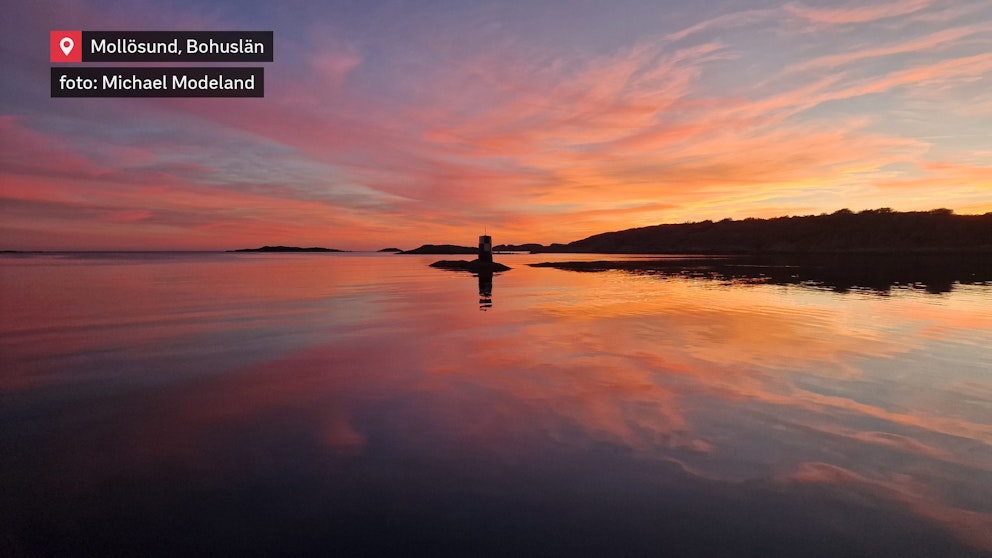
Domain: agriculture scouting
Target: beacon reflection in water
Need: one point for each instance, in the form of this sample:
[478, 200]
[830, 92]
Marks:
[482, 267]
[485, 290]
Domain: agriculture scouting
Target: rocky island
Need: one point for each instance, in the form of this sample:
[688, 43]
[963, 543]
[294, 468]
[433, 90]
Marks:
[484, 264]
[475, 266]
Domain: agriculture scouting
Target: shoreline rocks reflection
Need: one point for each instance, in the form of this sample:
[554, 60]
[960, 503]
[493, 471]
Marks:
[878, 273]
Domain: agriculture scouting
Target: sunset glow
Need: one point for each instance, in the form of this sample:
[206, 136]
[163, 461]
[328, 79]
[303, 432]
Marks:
[398, 124]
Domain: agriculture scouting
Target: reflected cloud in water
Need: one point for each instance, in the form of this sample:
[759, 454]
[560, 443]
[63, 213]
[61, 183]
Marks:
[354, 403]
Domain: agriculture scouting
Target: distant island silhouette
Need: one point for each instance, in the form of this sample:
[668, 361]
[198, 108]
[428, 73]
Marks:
[869, 231]
[286, 249]
[441, 249]
[390, 250]
[531, 247]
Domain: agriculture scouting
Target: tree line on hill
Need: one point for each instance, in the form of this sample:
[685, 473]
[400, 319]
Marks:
[873, 230]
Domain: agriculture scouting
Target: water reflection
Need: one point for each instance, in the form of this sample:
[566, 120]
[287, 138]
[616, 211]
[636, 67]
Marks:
[485, 290]
[484, 276]
[355, 405]
[932, 273]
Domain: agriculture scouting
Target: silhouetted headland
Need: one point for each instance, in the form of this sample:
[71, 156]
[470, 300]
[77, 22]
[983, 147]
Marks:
[440, 249]
[286, 249]
[390, 250]
[869, 231]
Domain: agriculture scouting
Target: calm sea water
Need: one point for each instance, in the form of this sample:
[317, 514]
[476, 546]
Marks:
[367, 404]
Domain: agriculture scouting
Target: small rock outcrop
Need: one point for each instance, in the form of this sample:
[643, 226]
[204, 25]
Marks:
[475, 266]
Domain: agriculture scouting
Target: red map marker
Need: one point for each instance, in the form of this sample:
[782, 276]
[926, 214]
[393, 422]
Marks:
[66, 46]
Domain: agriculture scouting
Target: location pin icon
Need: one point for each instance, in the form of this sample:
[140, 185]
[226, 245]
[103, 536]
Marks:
[65, 45]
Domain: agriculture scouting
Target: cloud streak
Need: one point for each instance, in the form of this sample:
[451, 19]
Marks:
[446, 130]
[857, 12]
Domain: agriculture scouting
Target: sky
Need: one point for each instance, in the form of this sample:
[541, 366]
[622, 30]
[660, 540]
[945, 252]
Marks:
[399, 123]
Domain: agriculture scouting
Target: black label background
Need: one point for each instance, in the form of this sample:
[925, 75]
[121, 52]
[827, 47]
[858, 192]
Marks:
[153, 73]
[264, 37]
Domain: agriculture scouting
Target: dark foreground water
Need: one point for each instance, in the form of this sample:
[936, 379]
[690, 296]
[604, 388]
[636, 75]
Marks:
[354, 405]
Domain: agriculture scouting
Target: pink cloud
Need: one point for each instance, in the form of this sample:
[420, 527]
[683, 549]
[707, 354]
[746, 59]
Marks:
[972, 527]
[857, 13]
[944, 38]
[725, 21]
